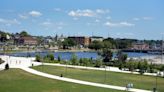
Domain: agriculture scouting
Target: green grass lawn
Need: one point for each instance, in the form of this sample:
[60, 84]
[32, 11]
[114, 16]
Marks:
[112, 78]
[16, 80]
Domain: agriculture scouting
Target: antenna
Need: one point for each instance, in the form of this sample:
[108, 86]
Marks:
[162, 51]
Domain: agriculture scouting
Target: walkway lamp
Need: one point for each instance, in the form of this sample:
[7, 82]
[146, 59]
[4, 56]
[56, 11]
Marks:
[66, 67]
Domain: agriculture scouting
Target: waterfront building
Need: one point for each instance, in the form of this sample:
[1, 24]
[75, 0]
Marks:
[140, 46]
[96, 38]
[27, 40]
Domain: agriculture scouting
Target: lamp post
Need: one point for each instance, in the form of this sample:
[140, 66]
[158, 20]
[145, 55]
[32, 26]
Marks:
[66, 68]
[155, 88]
[105, 75]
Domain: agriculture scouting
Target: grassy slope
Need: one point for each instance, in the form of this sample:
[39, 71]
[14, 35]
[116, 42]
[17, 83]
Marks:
[15, 80]
[113, 78]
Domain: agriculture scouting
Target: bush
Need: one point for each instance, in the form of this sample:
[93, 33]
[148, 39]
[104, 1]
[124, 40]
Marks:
[74, 60]
[49, 57]
[98, 63]
[1, 61]
[6, 66]
[59, 58]
[38, 58]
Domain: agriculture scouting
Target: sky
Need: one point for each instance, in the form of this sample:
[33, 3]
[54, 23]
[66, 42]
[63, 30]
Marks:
[136, 19]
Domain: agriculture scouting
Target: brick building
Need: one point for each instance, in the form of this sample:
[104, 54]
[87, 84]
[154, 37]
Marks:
[82, 40]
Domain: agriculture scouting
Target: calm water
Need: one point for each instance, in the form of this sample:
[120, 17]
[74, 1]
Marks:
[67, 55]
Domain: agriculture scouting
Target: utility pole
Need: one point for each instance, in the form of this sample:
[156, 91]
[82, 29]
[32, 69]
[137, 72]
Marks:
[162, 51]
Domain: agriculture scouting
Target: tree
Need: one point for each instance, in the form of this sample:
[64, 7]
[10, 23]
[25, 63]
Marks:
[68, 43]
[95, 45]
[7, 66]
[107, 55]
[98, 63]
[108, 44]
[38, 58]
[74, 60]
[121, 57]
[59, 58]
[130, 65]
[50, 57]
[142, 66]
[24, 33]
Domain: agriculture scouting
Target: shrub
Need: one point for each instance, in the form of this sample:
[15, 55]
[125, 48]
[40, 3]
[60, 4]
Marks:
[98, 63]
[59, 58]
[38, 58]
[6, 66]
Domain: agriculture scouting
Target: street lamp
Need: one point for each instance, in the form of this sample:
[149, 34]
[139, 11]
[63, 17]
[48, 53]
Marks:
[66, 68]
[105, 75]
[155, 88]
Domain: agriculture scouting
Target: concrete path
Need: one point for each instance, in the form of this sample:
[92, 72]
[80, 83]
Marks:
[113, 69]
[79, 81]
[24, 64]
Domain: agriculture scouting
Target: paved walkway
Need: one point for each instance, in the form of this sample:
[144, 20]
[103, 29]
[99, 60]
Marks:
[79, 81]
[24, 64]
[113, 69]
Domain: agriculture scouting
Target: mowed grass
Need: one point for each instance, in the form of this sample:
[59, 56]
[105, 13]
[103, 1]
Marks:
[112, 78]
[16, 80]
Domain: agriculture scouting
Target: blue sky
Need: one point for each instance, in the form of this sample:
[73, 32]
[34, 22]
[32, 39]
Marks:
[140, 19]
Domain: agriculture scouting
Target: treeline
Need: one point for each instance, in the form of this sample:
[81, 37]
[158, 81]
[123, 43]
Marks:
[106, 59]
[112, 43]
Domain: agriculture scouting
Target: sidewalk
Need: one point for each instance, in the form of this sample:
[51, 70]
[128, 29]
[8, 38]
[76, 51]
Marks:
[79, 81]
[113, 69]
[24, 64]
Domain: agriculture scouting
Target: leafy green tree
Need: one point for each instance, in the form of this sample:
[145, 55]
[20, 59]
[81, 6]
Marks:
[121, 57]
[38, 58]
[68, 43]
[108, 44]
[74, 60]
[96, 45]
[107, 55]
[50, 56]
[24, 33]
[142, 66]
[130, 65]
[7, 66]
[59, 58]
[98, 63]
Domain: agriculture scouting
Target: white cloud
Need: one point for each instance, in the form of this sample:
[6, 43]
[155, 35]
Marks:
[101, 11]
[48, 25]
[9, 22]
[58, 9]
[126, 24]
[108, 18]
[142, 18]
[110, 24]
[87, 12]
[35, 13]
[136, 19]
[97, 20]
[147, 18]
[75, 18]
[120, 24]
[23, 16]
[82, 13]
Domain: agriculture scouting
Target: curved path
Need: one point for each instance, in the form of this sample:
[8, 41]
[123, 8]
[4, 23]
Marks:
[113, 69]
[80, 81]
[24, 64]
